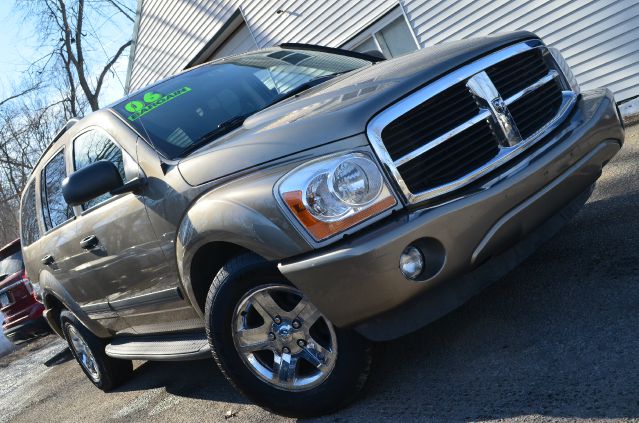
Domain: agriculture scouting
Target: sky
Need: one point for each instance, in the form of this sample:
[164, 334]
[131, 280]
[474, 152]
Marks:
[19, 46]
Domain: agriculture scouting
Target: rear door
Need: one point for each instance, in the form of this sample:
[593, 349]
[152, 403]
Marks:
[57, 246]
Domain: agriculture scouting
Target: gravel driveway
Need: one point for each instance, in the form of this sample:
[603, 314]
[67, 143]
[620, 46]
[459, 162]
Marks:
[555, 340]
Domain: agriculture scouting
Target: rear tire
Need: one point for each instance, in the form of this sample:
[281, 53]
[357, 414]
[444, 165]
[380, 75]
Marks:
[103, 371]
[319, 381]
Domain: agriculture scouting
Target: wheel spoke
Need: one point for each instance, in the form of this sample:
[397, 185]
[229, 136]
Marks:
[83, 353]
[316, 354]
[286, 334]
[285, 366]
[301, 305]
[255, 339]
[265, 305]
[307, 313]
[312, 356]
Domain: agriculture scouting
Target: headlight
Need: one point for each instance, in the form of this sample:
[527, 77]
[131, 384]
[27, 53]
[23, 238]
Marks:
[328, 196]
[565, 69]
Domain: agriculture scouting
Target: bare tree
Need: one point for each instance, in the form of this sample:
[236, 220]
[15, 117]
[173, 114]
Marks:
[64, 33]
[65, 81]
[27, 124]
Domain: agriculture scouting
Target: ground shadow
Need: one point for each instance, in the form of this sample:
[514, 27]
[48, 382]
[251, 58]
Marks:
[199, 379]
[61, 357]
[556, 337]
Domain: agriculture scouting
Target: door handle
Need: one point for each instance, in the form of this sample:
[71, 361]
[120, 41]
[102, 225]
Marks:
[89, 242]
[47, 260]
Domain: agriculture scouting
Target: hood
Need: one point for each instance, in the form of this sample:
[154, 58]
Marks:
[333, 110]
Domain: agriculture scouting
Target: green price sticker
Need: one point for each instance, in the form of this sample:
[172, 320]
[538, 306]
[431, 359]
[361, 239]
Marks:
[134, 106]
[151, 101]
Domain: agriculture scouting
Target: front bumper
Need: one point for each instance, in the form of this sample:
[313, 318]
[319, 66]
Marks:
[472, 241]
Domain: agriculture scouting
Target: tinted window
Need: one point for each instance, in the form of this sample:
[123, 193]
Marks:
[12, 264]
[180, 111]
[93, 146]
[54, 209]
[30, 230]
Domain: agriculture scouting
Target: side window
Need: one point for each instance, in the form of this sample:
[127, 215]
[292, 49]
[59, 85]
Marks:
[28, 219]
[54, 209]
[91, 147]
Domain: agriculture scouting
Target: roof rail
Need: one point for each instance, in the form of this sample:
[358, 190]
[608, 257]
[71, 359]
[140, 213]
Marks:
[64, 129]
[343, 52]
[61, 132]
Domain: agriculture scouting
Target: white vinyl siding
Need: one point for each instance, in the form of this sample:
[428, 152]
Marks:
[171, 33]
[328, 22]
[599, 38]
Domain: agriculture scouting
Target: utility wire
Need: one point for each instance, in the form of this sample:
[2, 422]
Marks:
[86, 17]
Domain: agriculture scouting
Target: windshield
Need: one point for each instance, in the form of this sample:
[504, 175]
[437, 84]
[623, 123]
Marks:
[11, 264]
[197, 106]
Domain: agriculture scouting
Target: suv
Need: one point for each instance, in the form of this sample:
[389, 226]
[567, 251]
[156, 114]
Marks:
[18, 301]
[283, 208]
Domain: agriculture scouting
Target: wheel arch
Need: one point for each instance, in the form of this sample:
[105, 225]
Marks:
[53, 308]
[229, 221]
[56, 298]
[206, 263]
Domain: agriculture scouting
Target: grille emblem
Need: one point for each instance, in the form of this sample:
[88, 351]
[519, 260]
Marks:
[485, 92]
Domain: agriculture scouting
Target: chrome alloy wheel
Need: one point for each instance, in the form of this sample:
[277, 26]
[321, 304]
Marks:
[83, 353]
[283, 339]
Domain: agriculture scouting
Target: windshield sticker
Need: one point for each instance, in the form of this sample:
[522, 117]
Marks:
[151, 102]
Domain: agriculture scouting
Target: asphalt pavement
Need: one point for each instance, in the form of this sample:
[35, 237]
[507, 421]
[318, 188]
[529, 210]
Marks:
[556, 340]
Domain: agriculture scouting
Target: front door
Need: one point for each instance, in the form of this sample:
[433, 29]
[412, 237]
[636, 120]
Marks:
[117, 247]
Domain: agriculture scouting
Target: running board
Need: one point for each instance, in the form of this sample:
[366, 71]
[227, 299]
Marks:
[172, 347]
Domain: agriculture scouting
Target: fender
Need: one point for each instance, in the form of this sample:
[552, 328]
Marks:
[243, 213]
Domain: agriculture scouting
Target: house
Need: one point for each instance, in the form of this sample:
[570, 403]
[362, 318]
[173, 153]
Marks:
[600, 39]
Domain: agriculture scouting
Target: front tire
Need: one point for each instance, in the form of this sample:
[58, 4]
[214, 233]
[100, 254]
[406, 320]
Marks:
[103, 371]
[276, 348]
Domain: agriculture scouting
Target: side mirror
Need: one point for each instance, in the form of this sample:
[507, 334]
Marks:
[91, 182]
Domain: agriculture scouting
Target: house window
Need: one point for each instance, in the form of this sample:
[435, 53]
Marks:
[391, 35]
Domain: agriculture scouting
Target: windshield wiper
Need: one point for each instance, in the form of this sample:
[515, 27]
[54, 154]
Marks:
[303, 87]
[223, 128]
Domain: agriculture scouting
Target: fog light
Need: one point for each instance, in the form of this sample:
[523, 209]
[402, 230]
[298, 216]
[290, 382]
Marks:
[411, 262]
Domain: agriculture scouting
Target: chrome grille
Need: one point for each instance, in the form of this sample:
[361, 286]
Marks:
[451, 160]
[533, 111]
[468, 123]
[429, 120]
[518, 72]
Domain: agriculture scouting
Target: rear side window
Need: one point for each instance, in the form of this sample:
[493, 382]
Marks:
[91, 147]
[54, 209]
[29, 230]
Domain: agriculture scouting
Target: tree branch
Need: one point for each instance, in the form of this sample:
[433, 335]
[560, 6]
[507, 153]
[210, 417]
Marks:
[121, 10]
[20, 94]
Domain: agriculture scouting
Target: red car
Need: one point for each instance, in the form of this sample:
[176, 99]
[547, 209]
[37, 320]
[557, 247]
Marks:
[18, 300]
